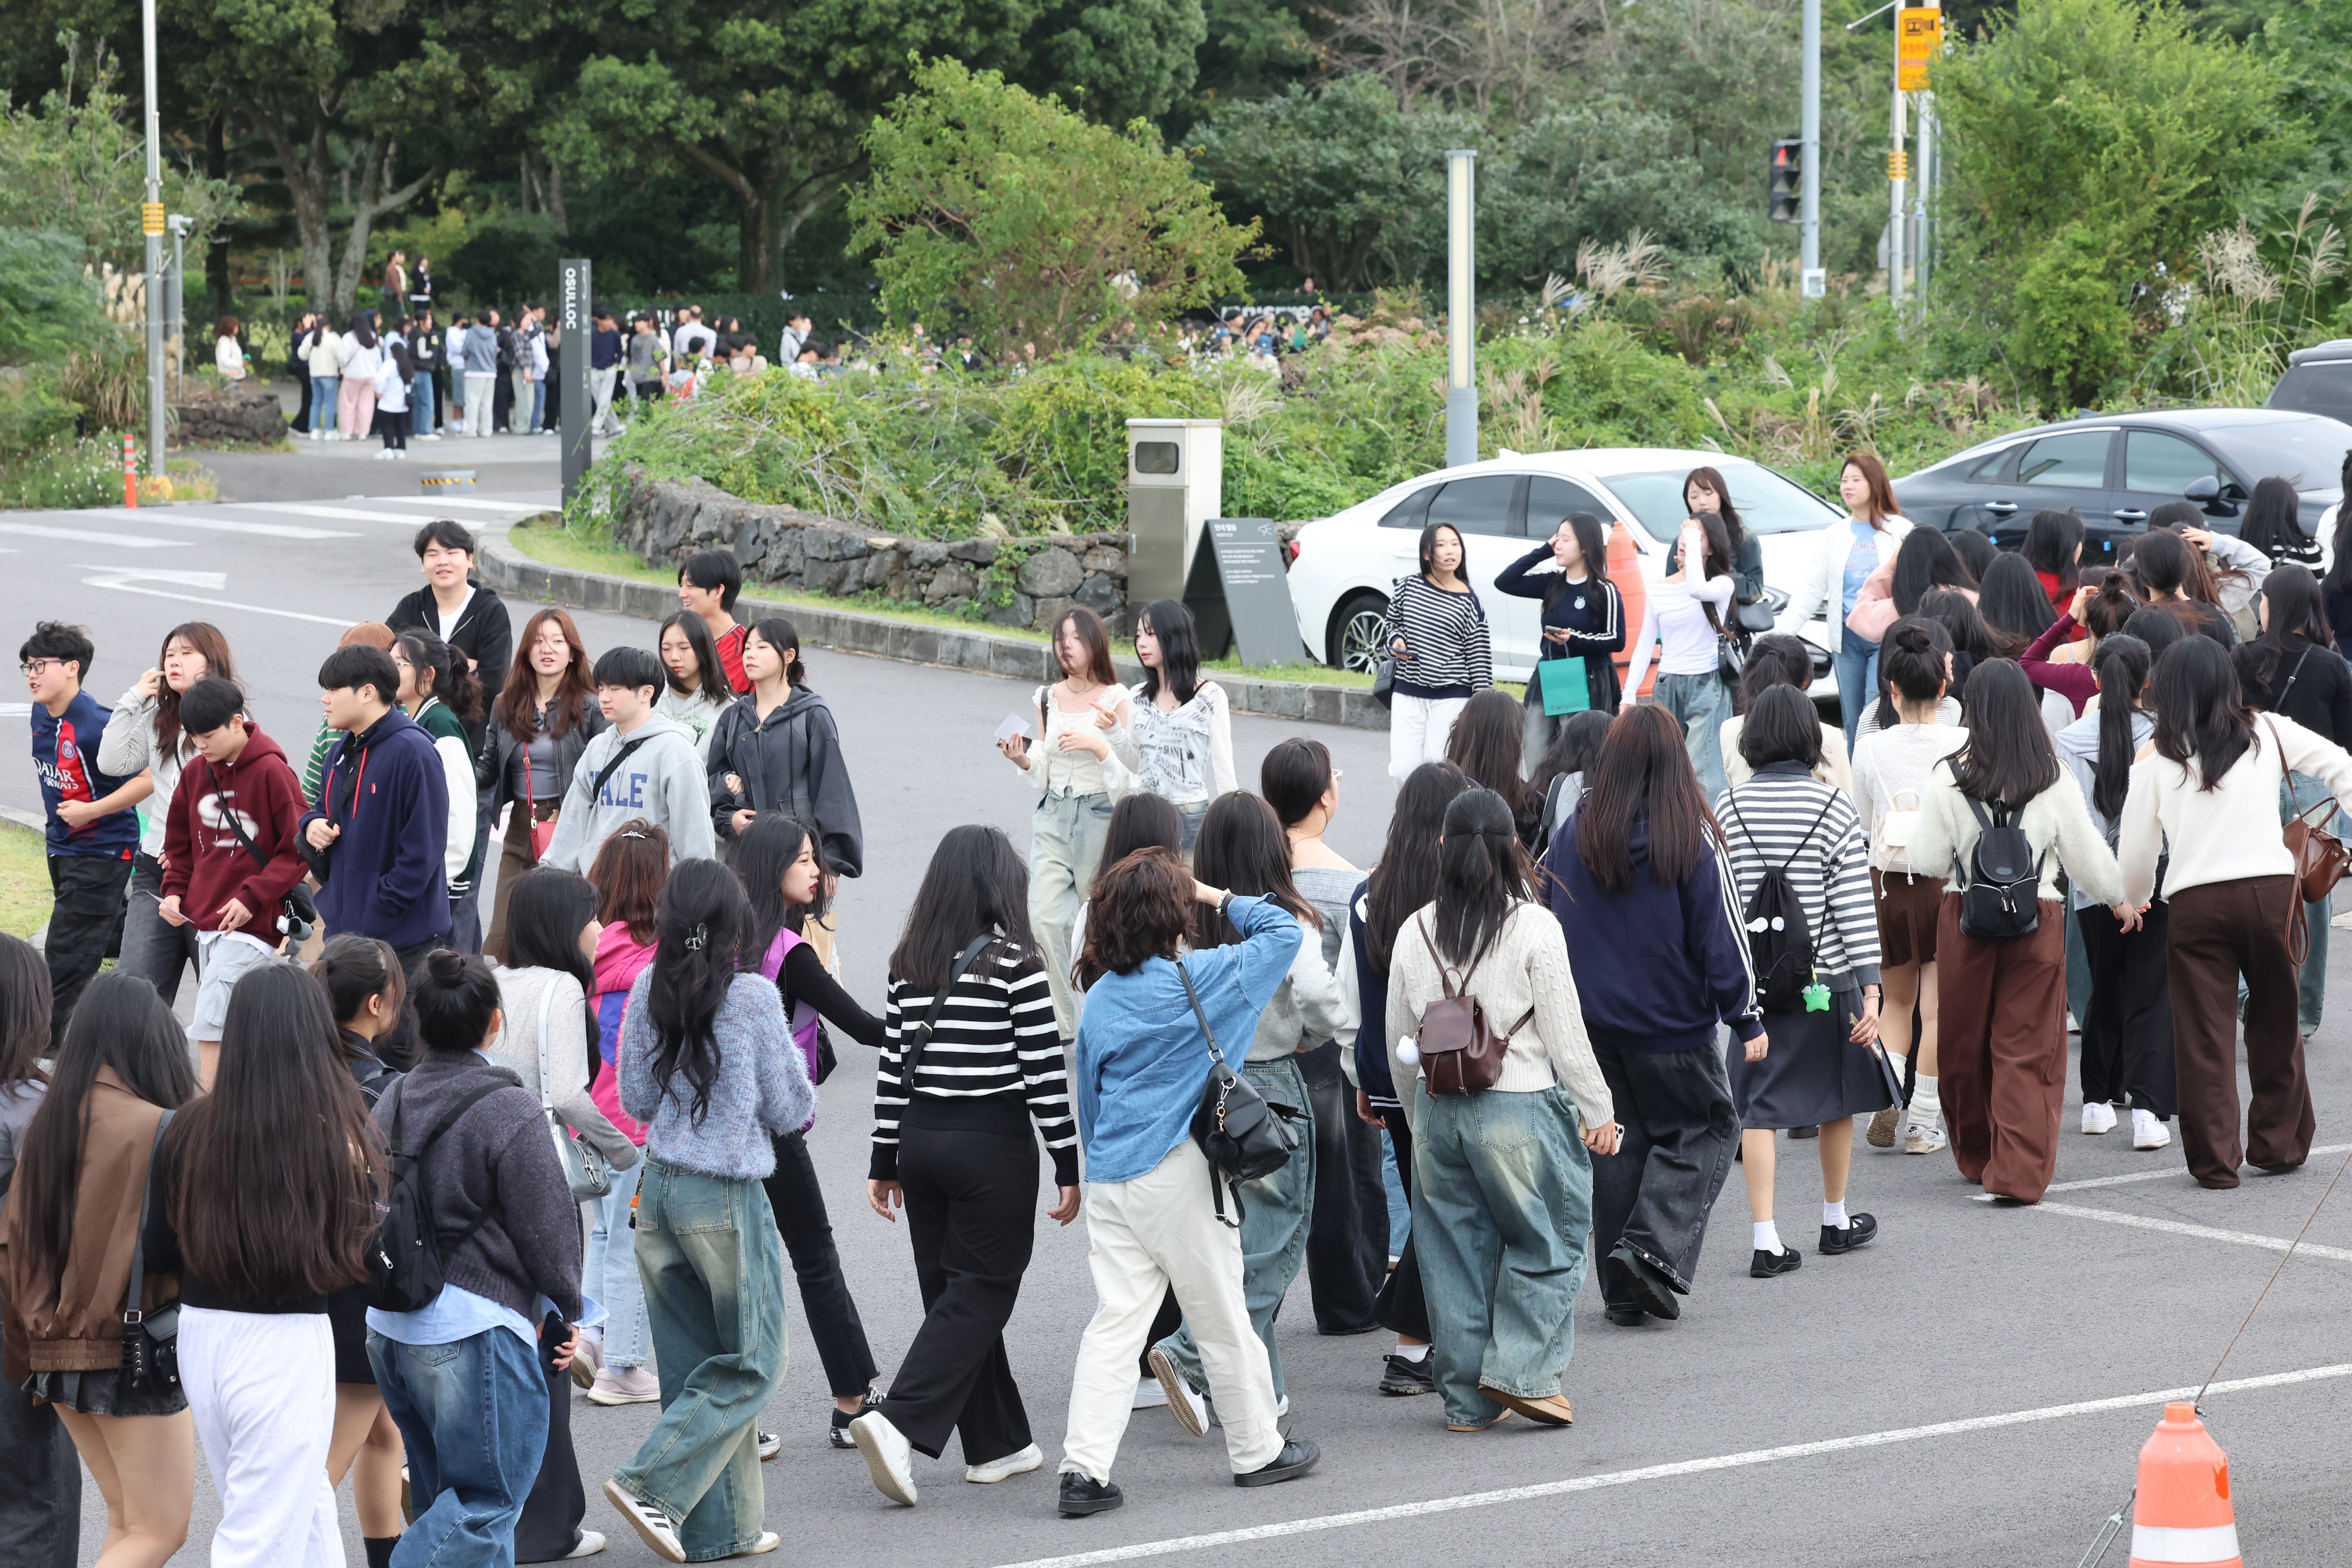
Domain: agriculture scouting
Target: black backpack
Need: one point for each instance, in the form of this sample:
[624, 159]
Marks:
[2002, 899]
[1780, 941]
[404, 1257]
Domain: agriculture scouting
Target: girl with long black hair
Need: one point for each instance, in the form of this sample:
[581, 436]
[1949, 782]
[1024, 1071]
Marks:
[953, 1146]
[1583, 614]
[2060, 660]
[1558, 779]
[2336, 586]
[1922, 563]
[40, 1510]
[1642, 864]
[2002, 1034]
[777, 749]
[780, 860]
[1503, 1179]
[1403, 881]
[81, 1177]
[2127, 1027]
[2274, 525]
[2053, 548]
[2291, 669]
[697, 691]
[1183, 728]
[269, 1190]
[1705, 491]
[1684, 617]
[2207, 800]
[1487, 745]
[708, 1062]
[1438, 636]
[443, 698]
[1242, 849]
[2167, 570]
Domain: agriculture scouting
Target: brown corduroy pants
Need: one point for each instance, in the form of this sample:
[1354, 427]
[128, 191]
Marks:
[2219, 931]
[2001, 1044]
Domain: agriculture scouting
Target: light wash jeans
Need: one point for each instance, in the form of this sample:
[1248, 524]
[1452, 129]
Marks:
[473, 1417]
[479, 390]
[2311, 989]
[423, 414]
[323, 393]
[1700, 704]
[1067, 833]
[1273, 1226]
[1855, 667]
[600, 388]
[714, 1279]
[1502, 1200]
[609, 1273]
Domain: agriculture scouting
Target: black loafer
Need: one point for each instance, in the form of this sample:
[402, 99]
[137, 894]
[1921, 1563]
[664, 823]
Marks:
[1404, 1377]
[1860, 1230]
[1765, 1265]
[1298, 1457]
[1628, 1317]
[1082, 1495]
[1640, 1281]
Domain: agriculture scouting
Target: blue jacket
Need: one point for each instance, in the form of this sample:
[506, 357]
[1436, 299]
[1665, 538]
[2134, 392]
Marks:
[65, 755]
[1656, 967]
[1141, 1054]
[388, 791]
[1373, 1075]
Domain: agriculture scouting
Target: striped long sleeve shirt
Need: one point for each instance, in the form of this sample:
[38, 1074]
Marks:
[1769, 822]
[1448, 653]
[995, 1061]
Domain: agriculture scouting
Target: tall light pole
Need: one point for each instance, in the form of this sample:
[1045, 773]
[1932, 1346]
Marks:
[150, 224]
[1461, 307]
[1814, 283]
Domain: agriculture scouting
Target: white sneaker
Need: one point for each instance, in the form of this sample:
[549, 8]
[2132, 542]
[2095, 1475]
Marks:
[1919, 1140]
[769, 1540]
[1149, 1394]
[771, 1445]
[995, 1470]
[651, 1523]
[2098, 1117]
[1282, 1407]
[590, 1542]
[624, 1386]
[889, 1457]
[2072, 1027]
[1191, 1411]
[2148, 1132]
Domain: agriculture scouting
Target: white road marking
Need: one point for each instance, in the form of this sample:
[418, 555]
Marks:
[343, 514]
[472, 506]
[84, 536]
[2169, 1170]
[176, 518]
[2202, 1232]
[210, 581]
[16, 710]
[1681, 1467]
[117, 583]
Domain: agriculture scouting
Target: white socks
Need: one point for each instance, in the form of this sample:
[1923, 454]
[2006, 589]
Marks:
[1926, 1108]
[1768, 1236]
[1833, 1216]
[1412, 1352]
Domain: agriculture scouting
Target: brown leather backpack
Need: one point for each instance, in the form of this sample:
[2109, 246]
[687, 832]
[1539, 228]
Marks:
[1460, 1054]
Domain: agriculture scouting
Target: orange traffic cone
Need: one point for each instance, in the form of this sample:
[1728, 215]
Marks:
[2182, 1515]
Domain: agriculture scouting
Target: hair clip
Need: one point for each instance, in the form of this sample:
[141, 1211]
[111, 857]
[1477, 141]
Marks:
[698, 939]
[633, 833]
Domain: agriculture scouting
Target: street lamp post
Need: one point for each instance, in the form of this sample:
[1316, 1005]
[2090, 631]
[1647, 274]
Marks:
[150, 224]
[1813, 282]
[1461, 308]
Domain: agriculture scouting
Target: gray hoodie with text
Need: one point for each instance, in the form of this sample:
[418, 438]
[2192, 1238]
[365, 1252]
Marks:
[661, 780]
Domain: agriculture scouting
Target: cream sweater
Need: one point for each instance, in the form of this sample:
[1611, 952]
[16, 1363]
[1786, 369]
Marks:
[1527, 966]
[2231, 831]
[2055, 819]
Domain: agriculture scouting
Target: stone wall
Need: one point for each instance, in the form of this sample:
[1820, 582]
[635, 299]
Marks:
[212, 417]
[665, 522]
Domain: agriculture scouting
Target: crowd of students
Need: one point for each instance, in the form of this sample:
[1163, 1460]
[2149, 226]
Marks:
[378, 1211]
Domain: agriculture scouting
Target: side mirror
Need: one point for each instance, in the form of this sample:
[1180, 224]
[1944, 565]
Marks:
[2211, 497]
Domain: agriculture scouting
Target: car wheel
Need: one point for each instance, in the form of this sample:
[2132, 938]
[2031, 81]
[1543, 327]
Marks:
[1360, 634]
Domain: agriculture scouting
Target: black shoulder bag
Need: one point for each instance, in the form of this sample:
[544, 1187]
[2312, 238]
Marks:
[915, 1037]
[1241, 1134]
[151, 1341]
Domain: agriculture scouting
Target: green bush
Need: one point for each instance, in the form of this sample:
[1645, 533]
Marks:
[2071, 327]
[64, 472]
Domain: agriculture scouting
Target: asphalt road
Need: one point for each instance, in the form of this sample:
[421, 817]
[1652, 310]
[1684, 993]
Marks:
[1974, 1387]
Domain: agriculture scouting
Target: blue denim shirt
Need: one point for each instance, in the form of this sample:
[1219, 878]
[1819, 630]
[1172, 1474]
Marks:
[1141, 1057]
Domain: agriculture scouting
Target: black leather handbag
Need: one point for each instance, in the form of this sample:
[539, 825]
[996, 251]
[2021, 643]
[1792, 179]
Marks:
[151, 1341]
[1241, 1134]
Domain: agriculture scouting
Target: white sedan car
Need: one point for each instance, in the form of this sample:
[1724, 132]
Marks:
[1343, 567]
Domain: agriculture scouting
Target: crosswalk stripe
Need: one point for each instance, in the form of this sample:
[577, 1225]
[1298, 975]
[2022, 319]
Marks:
[345, 514]
[177, 518]
[471, 506]
[84, 536]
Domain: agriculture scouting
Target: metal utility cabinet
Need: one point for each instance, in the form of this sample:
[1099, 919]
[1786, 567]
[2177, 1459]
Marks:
[1175, 484]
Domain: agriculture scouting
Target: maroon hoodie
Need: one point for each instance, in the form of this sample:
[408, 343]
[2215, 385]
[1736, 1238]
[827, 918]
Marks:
[203, 861]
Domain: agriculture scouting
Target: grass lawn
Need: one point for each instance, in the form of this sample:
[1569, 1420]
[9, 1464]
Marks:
[542, 539]
[24, 880]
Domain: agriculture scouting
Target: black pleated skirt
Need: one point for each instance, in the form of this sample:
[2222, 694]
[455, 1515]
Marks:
[1811, 1073]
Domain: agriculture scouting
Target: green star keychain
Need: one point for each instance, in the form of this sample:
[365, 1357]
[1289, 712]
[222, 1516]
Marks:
[1817, 997]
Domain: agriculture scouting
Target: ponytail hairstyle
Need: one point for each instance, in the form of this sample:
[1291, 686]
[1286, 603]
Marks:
[1774, 659]
[783, 637]
[2008, 760]
[2053, 542]
[2122, 664]
[353, 968]
[1966, 629]
[1911, 662]
[456, 999]
[442, 673]
[2200, 712]
[1482, 871]
[2111, 603]
[703, 913]
[1644, 773]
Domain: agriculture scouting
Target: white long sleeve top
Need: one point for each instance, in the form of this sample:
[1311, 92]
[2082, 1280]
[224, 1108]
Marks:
[1673, 615]
[1891, 768]
[2056, 823]
[2231, 831]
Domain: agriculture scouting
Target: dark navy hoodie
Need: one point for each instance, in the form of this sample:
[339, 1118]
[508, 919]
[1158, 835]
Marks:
[1656, 967]
[386, 789]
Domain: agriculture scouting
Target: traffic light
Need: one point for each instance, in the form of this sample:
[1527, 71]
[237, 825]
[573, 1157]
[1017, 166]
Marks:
[1783, 196]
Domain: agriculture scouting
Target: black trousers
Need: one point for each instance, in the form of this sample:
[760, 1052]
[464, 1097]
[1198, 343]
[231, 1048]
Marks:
[40, 1503]
[1348, 1227]
[972, 1214]
[301, 426]
[2127, 1030]
[833, 1320]
[502, 403]
[1400, 1307]
[85, 928]
[550, 1526]
[1680, 1126]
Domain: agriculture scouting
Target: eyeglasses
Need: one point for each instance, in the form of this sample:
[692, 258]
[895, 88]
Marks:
[35, 666]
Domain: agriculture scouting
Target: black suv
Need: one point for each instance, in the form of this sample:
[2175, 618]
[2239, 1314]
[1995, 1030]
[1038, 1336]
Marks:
[2317, 380]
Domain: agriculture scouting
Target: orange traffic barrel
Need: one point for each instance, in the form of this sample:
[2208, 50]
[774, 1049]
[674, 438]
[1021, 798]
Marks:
[2181, 1516]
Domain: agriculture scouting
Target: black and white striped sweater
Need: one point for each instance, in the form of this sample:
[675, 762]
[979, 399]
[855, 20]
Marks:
[1448, 653]
[995, 1061]
[1765, 823]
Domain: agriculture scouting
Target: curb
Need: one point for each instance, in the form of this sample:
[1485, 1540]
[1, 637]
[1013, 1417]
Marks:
[509, 570]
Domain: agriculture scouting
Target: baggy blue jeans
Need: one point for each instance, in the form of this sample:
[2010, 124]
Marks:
[472, 1416]
[1502, 1200]
[714, 1278]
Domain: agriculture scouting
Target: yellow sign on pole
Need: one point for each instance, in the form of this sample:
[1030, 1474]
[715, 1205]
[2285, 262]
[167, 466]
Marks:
[1919, 39]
